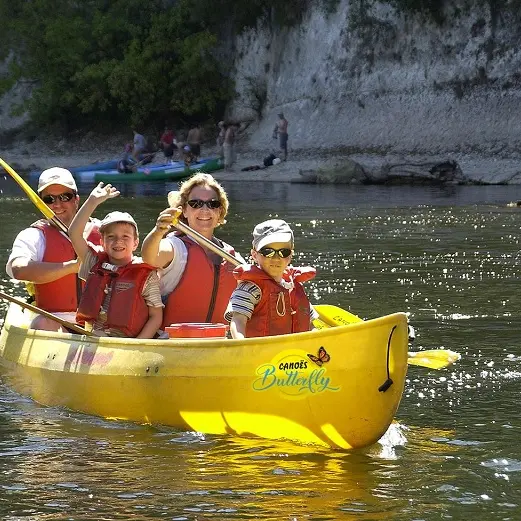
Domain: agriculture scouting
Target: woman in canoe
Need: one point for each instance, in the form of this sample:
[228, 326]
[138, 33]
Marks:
[196, 283]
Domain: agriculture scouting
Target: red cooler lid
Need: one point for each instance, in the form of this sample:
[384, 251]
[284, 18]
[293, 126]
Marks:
[196, 330]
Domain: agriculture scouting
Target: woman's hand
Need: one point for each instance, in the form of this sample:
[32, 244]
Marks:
[166, 218]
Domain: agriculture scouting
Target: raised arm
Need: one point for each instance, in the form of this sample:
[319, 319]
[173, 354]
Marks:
[156, 250]
[97, 196]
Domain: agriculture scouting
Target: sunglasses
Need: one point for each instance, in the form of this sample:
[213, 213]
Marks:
[64, 198]
[213, 204]
[283, 253]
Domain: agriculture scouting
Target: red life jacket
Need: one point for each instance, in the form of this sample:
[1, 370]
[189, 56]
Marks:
[204, 290]
[60, 295]
[279, 311]
[127, 311]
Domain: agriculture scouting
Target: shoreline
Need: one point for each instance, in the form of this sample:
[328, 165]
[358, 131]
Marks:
[491, 169]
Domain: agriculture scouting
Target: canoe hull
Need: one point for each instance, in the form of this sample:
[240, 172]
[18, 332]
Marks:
[159, 172]
[266, 387]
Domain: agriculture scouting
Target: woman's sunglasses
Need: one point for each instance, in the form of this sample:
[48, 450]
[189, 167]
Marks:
[283, 253]
[64, 198]
[213, 204]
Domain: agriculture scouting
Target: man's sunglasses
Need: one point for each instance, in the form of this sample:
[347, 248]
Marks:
[64, 198]
[213, 204]
[283, 253]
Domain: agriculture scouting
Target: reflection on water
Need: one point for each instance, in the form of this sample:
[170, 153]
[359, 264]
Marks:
[447, 256]
[59, 462]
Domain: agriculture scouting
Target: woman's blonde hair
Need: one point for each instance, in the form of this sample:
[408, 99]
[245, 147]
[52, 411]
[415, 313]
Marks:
[200, 179]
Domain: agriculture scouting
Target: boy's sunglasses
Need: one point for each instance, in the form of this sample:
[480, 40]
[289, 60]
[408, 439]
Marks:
[213, 204]
[283, 253]
[64, 198]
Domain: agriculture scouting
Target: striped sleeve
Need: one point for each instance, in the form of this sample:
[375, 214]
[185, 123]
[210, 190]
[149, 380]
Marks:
[243, 300]
[151, 292]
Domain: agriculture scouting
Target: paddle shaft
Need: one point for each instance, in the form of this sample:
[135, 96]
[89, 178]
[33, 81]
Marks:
[203, 241]
[66, 323]
[35, 198]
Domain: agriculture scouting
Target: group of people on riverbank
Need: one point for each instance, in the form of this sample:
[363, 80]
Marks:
[141, 152]
[189, 150]
[92, 277]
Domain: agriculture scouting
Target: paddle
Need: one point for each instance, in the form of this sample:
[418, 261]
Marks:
[433, 358]
[35, 198]
[66, 323]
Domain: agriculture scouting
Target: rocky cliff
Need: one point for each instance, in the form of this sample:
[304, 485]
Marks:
[373, 78]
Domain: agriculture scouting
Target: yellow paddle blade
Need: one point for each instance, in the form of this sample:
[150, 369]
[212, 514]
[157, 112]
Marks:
[331, 316]
[434, 358]
[35, 199]
[335, 316]
[319, 324]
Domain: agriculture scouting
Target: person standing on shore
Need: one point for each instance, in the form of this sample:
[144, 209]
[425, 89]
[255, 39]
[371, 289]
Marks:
[44, 256]
[167, 142]
[194, 141]
[229, 145]
[139, 145]
[220, 138]
[281, 130]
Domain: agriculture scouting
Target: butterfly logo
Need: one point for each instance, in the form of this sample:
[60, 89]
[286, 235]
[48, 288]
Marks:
[321, 358]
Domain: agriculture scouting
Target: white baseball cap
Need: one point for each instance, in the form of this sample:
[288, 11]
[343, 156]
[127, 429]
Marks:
[274, 230]
[56, 176]
[117, 217]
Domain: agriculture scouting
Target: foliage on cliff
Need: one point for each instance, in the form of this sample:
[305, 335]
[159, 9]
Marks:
[111, 61]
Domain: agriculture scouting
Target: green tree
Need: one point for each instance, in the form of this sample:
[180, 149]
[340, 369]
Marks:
[114, 61]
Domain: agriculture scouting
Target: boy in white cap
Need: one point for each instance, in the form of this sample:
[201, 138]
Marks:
[270, 299]
[121, 296]
[44, 257]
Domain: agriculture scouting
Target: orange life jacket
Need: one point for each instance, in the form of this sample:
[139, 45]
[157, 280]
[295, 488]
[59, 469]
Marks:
[204, 290]
[60, 295]
[127, 311]
[279, 311]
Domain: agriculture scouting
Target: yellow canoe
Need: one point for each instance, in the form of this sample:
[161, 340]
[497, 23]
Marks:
[330, 387]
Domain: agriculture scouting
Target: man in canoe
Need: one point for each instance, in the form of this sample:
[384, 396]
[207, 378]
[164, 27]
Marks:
[121, 296]
[270, 299]
[44, 256]
[195, 282]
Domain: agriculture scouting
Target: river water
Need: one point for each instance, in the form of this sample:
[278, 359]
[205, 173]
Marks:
[448, 256]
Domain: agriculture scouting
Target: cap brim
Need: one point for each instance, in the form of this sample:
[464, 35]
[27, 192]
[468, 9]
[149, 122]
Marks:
[275, 237]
